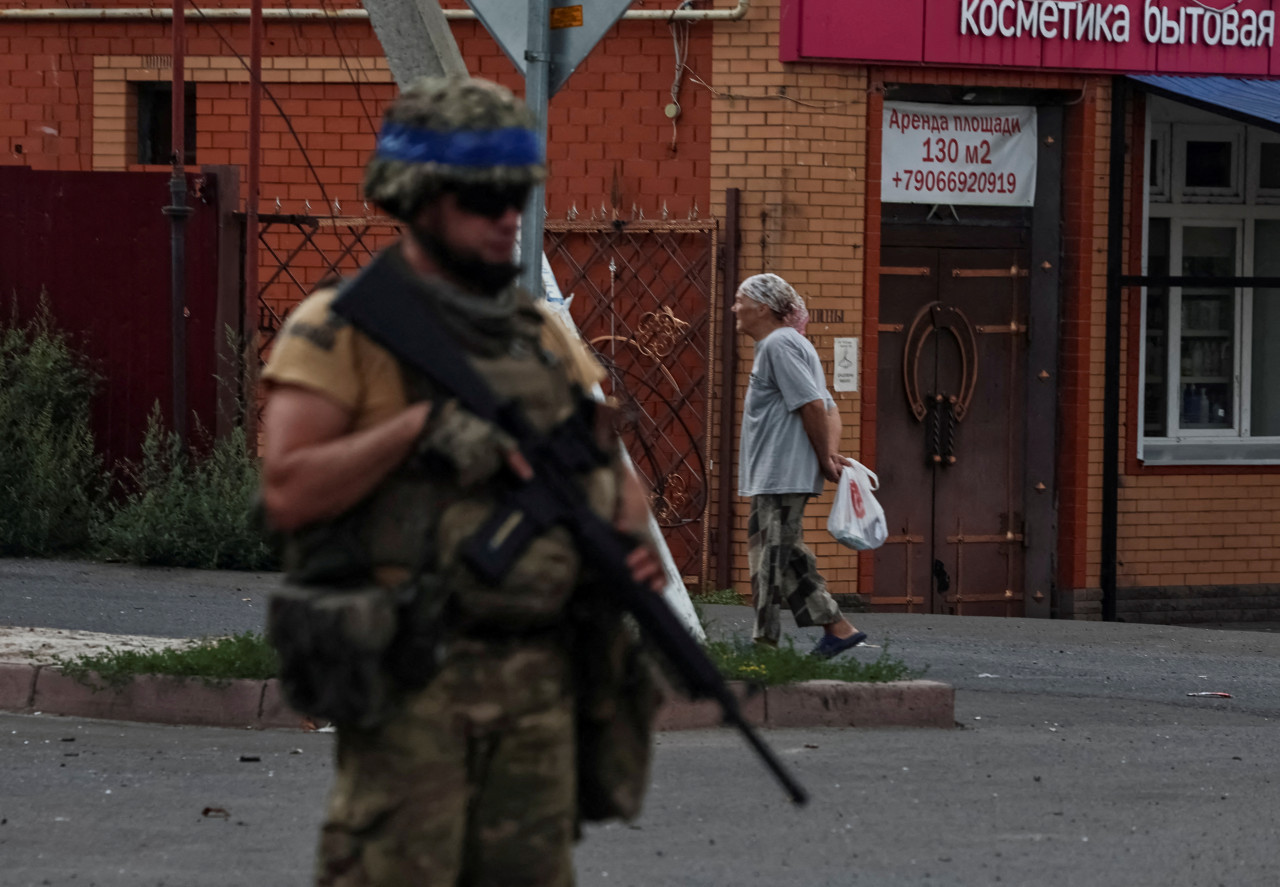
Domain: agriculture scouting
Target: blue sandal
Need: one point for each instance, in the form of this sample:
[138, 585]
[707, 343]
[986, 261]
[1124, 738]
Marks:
[831, 646]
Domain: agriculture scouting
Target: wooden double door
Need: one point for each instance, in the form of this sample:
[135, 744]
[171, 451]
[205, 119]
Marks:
[951, 429]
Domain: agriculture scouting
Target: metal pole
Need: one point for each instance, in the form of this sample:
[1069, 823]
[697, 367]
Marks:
[250, 297]
[537, 93]
[177, 211]
[1111, 360]
[728, 389]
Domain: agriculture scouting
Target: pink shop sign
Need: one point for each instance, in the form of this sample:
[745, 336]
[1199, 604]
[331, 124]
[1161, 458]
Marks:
[1233, 37]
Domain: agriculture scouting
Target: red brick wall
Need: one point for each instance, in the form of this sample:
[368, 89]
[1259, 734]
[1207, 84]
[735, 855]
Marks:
[609, 136]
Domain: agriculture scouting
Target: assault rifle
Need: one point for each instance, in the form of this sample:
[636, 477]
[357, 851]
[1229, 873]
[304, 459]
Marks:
[381, 303]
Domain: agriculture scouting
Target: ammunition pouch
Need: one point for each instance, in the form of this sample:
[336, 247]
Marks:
[332, 644]
[348, 654]
[348, 648]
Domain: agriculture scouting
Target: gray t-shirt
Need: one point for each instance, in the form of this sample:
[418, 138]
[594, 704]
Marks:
[775, 454]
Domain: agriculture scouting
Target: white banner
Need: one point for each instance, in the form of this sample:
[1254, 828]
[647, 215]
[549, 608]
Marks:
[957, 154]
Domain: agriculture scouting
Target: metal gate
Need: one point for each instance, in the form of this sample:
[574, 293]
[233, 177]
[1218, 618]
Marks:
[642, 295]
[298, 252]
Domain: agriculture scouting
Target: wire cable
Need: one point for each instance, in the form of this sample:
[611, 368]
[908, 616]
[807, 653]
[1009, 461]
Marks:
[266, 90]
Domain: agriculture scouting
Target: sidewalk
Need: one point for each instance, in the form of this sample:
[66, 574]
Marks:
[143, 607]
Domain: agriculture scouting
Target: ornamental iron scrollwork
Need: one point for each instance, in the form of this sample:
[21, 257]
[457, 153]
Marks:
[641, 292]
[945, 409]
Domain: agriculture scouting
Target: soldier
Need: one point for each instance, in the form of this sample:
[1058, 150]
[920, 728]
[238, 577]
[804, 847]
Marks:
[790, 442]
[460, 767]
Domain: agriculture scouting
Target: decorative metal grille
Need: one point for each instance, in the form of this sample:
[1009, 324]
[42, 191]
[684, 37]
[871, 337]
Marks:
[304, 250]
[641, 295]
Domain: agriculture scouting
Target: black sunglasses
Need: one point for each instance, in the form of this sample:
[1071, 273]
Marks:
[490, 202]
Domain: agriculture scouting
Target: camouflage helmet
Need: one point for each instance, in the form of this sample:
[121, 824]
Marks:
[443, 132]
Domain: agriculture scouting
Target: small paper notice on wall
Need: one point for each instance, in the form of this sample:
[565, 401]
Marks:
[845, 371]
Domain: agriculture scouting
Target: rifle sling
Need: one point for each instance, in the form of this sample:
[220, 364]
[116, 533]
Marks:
[380, 303]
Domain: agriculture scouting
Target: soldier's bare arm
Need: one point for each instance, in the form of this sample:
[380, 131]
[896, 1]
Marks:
[314, 467]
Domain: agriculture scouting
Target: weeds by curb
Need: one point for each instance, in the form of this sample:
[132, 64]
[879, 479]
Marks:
[214, 662]
[744, 660]
[250, 656]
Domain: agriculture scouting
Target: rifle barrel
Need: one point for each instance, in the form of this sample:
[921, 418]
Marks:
[702, 679]
[799, 796]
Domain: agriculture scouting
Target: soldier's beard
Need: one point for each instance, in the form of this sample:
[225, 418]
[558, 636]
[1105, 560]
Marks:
[465, 268]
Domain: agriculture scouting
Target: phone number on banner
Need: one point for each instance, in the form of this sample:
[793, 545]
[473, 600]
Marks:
[944, 182]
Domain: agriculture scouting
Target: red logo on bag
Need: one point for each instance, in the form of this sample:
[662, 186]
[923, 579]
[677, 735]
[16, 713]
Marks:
[855, 496]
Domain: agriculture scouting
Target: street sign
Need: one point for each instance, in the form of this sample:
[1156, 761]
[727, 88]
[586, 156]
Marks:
[576, 26]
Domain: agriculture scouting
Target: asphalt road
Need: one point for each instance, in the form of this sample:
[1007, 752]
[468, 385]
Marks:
[122, 599]
[1079, 760]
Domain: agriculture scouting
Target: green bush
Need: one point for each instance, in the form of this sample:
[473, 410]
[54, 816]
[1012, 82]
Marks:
[50, 476]
[184, 508]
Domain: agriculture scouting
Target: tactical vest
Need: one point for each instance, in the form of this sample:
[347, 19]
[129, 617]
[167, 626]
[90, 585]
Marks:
[415, 522]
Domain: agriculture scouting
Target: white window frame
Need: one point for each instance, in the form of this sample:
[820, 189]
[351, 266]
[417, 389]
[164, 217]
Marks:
[1243, 207]
[1196, 132]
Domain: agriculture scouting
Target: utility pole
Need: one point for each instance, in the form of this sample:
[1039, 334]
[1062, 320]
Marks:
[177, 211]
[537, 93]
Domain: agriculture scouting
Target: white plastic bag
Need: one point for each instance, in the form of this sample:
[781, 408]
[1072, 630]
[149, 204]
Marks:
[857, 520]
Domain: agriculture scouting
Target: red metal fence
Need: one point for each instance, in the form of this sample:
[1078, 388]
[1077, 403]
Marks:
[97, 246]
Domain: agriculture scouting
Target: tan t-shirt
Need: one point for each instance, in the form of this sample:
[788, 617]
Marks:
[322, 352]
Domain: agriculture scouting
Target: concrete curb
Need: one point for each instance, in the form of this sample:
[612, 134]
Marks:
[27, 689]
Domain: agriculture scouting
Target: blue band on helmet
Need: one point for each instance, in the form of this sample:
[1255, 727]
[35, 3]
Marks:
[513, 146]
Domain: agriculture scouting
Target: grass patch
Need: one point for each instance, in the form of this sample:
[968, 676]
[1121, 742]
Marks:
[719, 596]
[250, 656]
[213, 662]
[744, 660]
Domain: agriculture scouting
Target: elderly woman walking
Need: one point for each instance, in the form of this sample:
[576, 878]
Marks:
[790, 441]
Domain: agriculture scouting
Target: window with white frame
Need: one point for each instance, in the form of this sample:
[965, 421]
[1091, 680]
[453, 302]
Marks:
[1211, 354]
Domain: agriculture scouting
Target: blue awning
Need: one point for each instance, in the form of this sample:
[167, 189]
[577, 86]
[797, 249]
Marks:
[1251, 101]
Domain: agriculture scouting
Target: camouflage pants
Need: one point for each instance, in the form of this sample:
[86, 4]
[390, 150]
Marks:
[783, 569]
[472, 783]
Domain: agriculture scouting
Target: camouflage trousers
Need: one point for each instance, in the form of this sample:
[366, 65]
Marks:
[783, 569]
[471, 783]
